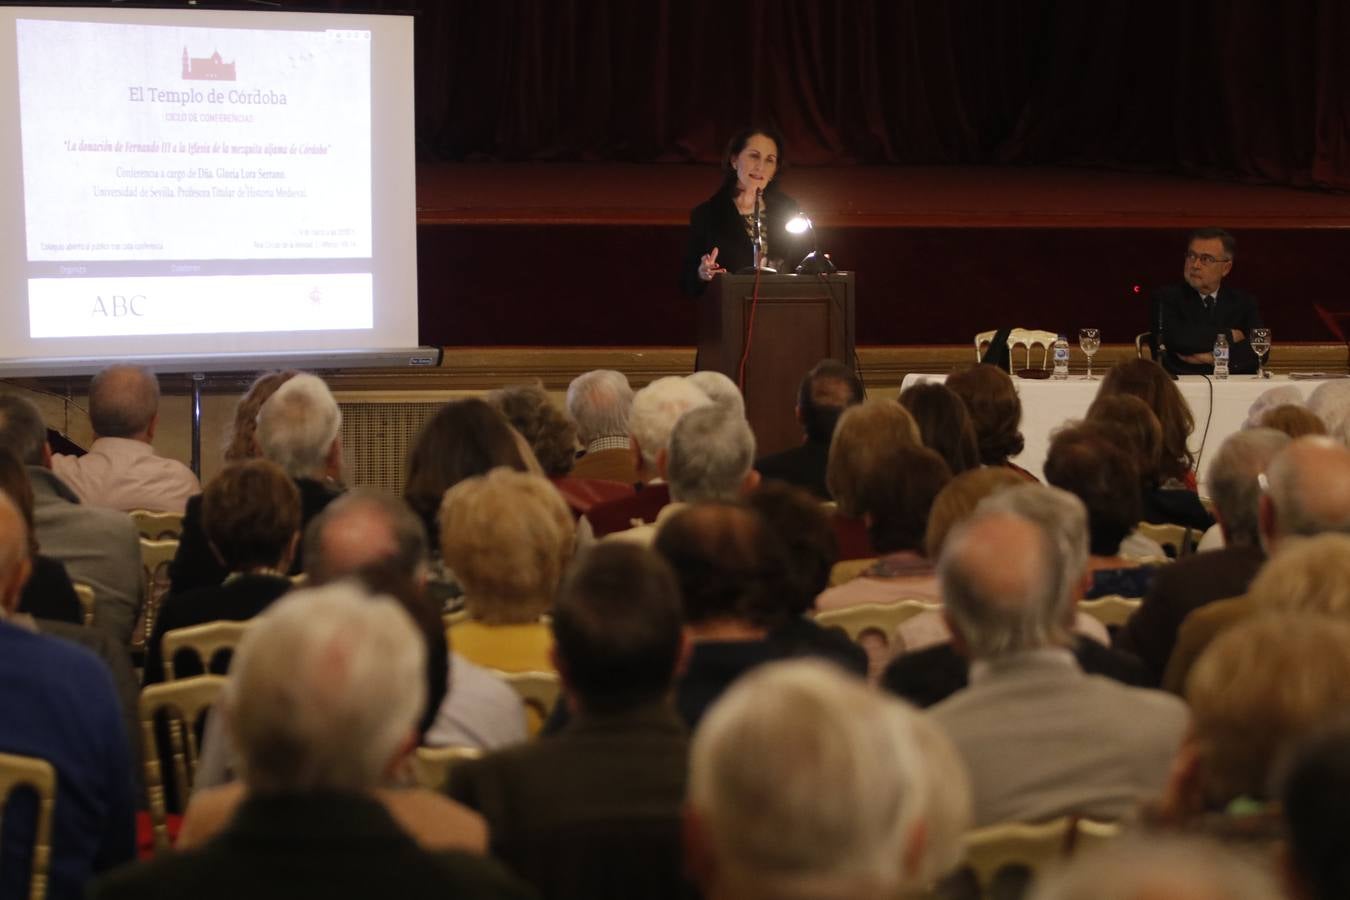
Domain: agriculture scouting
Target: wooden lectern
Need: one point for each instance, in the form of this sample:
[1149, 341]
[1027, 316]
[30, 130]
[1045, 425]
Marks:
[798, 321]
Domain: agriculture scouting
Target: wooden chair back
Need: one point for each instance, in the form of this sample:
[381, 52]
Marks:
[155, 558]
[538, 691]
[185, 703]
[28, 771]
[1026, 338]
[1176, 539]
[204, 640]
[431, 765]
[158, 525]
[1112, 609]
[85, 594]
[879, 618]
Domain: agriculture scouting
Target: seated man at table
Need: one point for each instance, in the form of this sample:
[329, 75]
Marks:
[1188, 316]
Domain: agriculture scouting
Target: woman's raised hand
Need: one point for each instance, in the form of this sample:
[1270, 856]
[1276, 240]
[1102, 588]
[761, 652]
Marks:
[708, 267]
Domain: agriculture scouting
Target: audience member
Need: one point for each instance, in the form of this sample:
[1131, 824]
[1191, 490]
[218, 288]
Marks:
[299, 429]
[507, 536]
[721, 390]
[1201, 578]
[727, 562]
[609, 786]
[823, 395]
[712, 451]
[60, 706]
[121, 469]
[955, 502]
[1140, 434]
[944, 424]
[1315, 797]
[1270, 398]
[804, 784]
[1136, 868]
[1084, 461]
[1294, 420]
[241, 440]
[995, 411]
[656, 408]
[48, 594]
[936, 672]
[802, 526]
[322, 703]
[99, 547]
[599, 402]
[251, 515]
[1254, 693]
[1149, 382]
[1307, 493]
[1331, 403]
[865, 434]
[1040, 737]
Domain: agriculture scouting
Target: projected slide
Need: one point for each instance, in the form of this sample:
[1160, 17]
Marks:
[195, 180]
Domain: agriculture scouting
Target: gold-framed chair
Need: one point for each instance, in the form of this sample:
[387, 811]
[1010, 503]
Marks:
[28, 771]
[1013, 848]
[1113, 609]
[867, 618]
[1178, 538]
[205, 640]
[155, 558]
[157, 524]
[431, 765]
[849, 569]
[1026, 338]
[85, 594]
[538, 692]
[184, 702]
[1143, 341]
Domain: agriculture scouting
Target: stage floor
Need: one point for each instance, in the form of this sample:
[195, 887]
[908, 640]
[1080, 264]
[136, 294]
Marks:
[868, 197]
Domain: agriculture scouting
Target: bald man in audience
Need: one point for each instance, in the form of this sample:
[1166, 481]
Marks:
[610, 784]
[656, 409]
[57, 703]
[1041, 738]
[825, 392]
[299, 429]
[599, 402]
[121, 469]
[99, 547]
[1201, 578]
[805, 784]
[711, 453]
[322, 703]
[1307, 493]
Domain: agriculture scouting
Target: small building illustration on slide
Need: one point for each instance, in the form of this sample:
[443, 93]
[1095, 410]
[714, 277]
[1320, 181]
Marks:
[211, 68]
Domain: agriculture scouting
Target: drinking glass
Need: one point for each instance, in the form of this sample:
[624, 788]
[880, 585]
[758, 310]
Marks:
[1260, 341]
[1089, 340]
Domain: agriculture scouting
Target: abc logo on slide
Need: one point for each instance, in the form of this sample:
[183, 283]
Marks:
[117, 306]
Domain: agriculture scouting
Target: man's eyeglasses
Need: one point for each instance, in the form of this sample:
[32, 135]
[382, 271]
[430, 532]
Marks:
[1205, 258]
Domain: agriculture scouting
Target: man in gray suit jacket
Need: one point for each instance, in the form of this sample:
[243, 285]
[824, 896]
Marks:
[1041, 739]
[99, 547]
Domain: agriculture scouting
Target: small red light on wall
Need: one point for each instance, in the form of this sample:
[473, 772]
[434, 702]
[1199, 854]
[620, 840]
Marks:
[1135, 289]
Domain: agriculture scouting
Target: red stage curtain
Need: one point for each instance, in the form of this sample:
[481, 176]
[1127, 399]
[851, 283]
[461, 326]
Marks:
[1242, 89]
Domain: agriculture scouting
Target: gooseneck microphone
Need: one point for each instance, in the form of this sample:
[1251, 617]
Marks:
[758, 239]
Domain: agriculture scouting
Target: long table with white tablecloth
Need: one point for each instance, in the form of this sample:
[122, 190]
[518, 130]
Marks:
[1220, 408]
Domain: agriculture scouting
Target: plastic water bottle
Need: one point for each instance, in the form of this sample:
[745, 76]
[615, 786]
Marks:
[1221, 357]
[1061, 358]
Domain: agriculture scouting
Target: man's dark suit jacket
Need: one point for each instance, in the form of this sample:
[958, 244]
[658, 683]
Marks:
[802, 466]
[927, 677]
[1182, 324]
[591, 812]
[1178, 590]
[618, 515]
[196, 566]
[324, 846]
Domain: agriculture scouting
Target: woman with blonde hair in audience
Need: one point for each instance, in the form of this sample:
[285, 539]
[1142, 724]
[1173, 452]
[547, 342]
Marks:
[1292, 419]
[508, 536]
[944, 424]
[864, 434]
[241, 439]
[996, 412]
[958, 499]
[1140, 432]
[1261, 687]
[1150, 382]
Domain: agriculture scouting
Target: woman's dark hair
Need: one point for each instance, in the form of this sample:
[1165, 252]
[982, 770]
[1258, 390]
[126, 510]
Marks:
[1150, 382]
[899, 497]
[15, 485]
[804, 528]
[1086, 461]
[995, 411]
[737, 144]
[465, 438]
[944, 424]
[1140, 431]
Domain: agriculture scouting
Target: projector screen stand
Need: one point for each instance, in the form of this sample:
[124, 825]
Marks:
[198, 379]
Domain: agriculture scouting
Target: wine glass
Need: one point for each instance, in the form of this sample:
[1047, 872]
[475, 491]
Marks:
[1260, 341]
[1089, 340]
